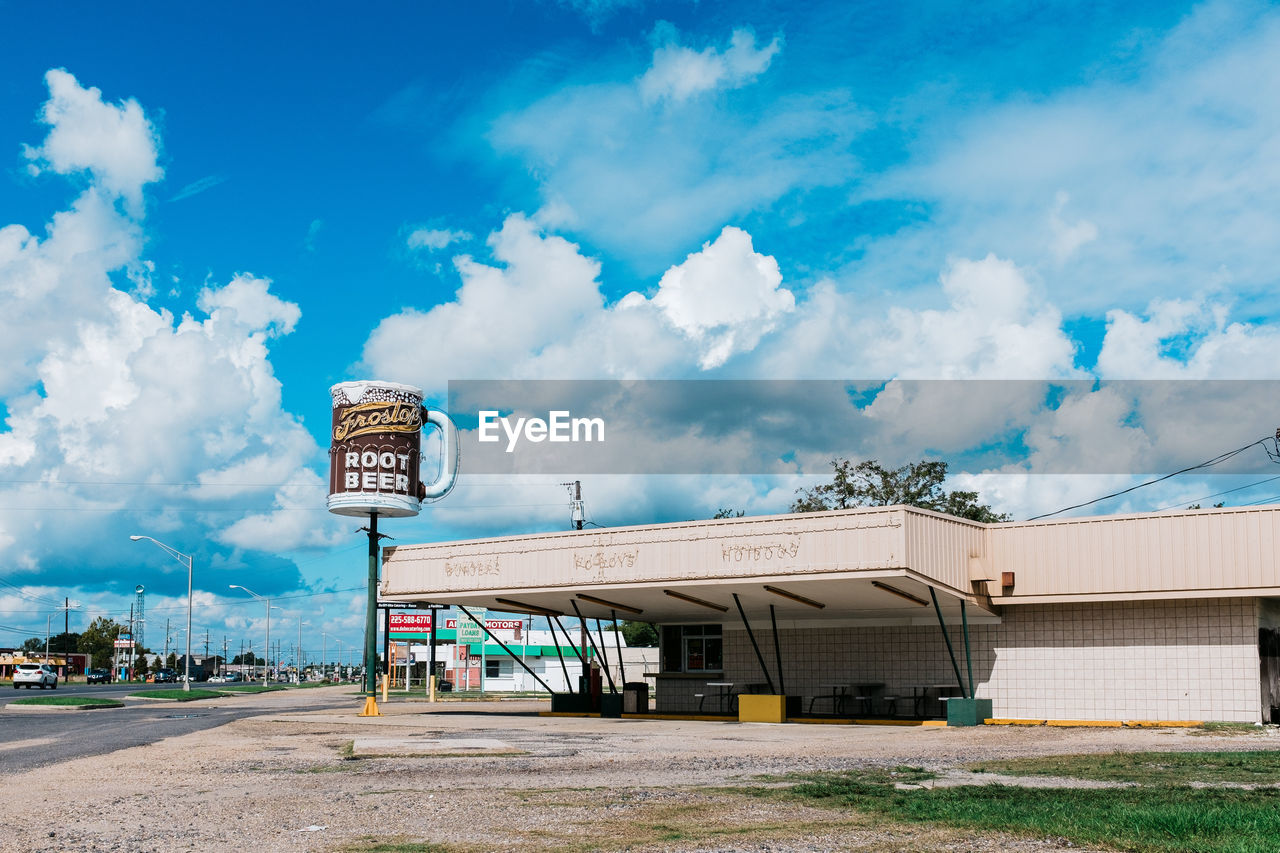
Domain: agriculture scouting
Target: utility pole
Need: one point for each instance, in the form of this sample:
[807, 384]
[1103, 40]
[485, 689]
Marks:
[224, 654]
[165, 662]
[133, 645]
[576, 518]
[576, 514]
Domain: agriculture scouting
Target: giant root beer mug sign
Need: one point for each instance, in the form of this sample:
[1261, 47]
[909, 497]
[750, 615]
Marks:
[375, 450]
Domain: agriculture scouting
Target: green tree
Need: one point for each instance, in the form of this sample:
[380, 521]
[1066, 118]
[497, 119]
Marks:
[98, 641]
[729, 513]
[171, 662]
[140, 666]
[869, 483]
[33, 645]
[62, 643]
[639, 634]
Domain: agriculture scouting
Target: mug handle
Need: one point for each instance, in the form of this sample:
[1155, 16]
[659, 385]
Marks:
[451, 453]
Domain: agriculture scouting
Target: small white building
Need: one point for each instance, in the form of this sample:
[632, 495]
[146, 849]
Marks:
[1156, 616]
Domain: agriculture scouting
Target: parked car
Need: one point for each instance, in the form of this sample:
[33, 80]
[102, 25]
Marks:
[233, 678]
[217, 679]
[98, 676]
[166, 676]
[32, 674]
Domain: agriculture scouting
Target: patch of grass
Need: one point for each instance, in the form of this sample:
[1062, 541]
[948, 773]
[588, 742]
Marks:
[347, 751]
[328, 768]
[68, 701]
[249, 688]
[1155, 817]
[1228, 729]
[702, 818]
[1150, 768]
[370, 844]
[177, 694]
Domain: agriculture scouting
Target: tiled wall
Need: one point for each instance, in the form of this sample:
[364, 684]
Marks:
[1165, 660]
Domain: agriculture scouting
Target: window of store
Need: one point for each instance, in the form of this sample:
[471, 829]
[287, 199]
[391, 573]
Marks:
[692, 648]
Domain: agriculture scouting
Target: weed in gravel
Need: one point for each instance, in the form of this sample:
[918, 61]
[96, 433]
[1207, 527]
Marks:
[1237, 729]
[370, 844]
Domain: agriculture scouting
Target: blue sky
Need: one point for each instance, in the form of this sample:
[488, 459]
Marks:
[209, 216]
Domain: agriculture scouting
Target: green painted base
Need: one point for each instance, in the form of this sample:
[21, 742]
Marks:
[611, 704]
[570, 703]
[968, 712]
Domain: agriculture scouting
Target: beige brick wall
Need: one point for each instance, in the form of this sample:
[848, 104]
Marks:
[1163, 660]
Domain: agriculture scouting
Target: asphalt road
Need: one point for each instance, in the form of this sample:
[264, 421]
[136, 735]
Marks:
[30, 739]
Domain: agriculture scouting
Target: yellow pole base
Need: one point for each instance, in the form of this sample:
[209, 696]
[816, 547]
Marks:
[370, 708]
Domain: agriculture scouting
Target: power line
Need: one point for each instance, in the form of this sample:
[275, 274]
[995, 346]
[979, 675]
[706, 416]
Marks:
[1273, 455]
[1218, 494]
[28, 596]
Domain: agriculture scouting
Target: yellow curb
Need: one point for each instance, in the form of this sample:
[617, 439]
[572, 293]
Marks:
[704, 718]
[1004, 721]
[1105, 724]
[1164, 724]
[934, 723]
[890, 722]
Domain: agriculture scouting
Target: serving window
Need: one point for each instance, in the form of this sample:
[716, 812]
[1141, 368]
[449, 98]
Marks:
[692, 648]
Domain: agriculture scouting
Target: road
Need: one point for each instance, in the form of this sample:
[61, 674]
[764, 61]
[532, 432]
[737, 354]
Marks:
[30, 739]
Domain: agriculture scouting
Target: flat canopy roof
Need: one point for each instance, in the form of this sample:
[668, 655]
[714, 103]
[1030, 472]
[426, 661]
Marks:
[863, 566]
[871, 565]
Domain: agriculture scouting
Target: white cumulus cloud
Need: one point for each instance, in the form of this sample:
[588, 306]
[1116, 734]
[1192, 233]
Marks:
[115, 143]
[725, 297]
[113, 407]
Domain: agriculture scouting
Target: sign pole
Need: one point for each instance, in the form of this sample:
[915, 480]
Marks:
[371, 626]
[374, 470]
[435, 614]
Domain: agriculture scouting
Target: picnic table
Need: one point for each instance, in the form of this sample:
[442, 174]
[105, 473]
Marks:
[722, 692]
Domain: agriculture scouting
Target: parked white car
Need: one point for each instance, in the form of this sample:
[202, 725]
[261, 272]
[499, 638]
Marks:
[35, 674]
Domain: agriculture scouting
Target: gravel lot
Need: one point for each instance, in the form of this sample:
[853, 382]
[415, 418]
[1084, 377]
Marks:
[494, 778]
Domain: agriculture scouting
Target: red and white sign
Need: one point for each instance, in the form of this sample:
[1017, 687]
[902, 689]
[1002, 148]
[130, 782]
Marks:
[410, 622]
[418, 622]
[124, 644]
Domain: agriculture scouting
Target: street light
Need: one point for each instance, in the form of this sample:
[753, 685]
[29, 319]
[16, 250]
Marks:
[299, 661]
[267, 654]
[180, 557]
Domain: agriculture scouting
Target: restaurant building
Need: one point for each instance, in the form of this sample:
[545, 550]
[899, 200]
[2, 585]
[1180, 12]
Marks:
[888, 611]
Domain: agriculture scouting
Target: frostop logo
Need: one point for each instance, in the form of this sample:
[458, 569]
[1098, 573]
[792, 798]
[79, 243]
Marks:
[374, 455]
